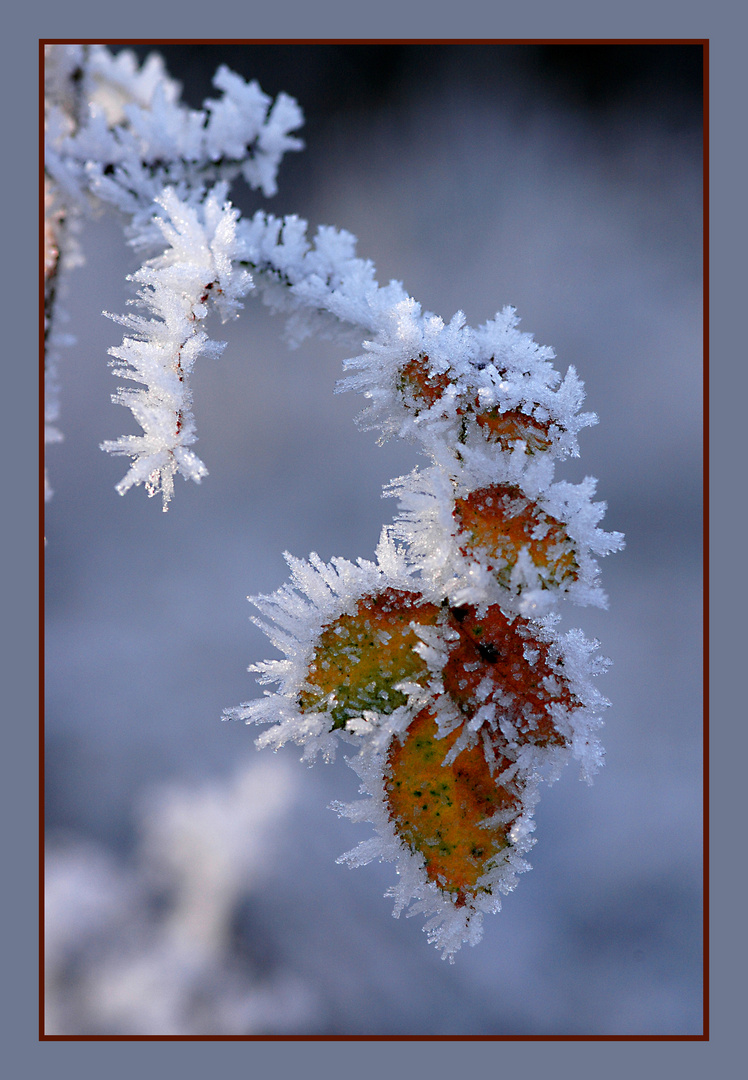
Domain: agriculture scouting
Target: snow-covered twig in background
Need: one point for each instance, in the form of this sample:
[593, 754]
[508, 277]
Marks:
[147, 948]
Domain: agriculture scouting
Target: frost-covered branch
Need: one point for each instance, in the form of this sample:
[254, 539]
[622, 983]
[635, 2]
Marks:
[119, 138]
[198, 270]
[137, 137]
[441, 666]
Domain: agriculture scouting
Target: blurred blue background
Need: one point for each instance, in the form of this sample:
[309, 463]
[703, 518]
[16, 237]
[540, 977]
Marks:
[567, 181]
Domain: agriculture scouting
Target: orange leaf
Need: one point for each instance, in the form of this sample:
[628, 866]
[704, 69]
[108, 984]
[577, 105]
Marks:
[445, 812]
[499, 522]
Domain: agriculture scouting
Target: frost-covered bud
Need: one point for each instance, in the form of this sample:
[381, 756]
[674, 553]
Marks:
[361, 659]
[421, 384]
[457, 816]
[499, 525]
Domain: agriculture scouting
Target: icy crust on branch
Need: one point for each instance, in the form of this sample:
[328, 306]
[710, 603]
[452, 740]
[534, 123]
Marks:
[438, 384]
[322, 285]
[118, 137]
[136, 137]
[197, 271]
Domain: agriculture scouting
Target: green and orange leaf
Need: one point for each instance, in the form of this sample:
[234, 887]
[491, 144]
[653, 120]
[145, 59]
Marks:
[360, 658]
[456, 816]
